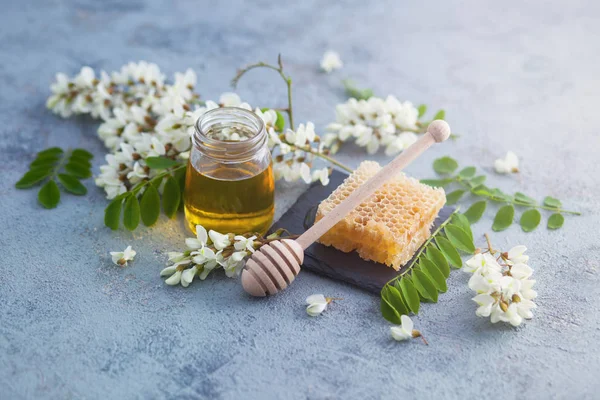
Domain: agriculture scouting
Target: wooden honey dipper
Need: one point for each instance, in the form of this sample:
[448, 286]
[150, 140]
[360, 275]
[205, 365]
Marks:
[275, 265]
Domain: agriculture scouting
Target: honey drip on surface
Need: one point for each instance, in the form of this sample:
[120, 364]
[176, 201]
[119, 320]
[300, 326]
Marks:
[230, 200]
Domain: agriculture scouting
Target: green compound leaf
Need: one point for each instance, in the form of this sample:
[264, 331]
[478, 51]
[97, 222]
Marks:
[395, 299]
[460, 239]
[556, 221]
[171, 197]
[475, 212]
[467, 172]
[434, 273]
[78, 169]
[449, 251]
[131, 213]
[437, 182]
[150, 206]
[440, 115]
[81, 153]
[112, 213]
[57, 151]
[438, 258]
[454, 197]
[445, 165]
[425, 285]
[523, 198]
[530, 220]
[504, 218]
[33, 177]
[49, 195]
[410, 294]
[388, 312]
[478, 180]
[422, 110]
[160, 162]
[72, 184]
[552, 202]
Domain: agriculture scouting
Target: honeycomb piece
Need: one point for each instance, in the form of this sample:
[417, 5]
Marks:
[391, 224]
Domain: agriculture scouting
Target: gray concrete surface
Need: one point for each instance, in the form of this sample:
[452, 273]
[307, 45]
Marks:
[511, 75]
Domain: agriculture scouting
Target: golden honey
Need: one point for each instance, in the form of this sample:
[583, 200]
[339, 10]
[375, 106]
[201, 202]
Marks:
[229, 183]
[236, 200]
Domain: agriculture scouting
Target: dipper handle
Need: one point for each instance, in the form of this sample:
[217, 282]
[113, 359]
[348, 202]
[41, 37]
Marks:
[437, 132]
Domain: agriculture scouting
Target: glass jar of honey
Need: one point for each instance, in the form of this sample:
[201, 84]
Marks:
[229, 185]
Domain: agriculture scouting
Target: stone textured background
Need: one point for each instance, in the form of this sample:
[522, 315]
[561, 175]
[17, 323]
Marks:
[511, 75]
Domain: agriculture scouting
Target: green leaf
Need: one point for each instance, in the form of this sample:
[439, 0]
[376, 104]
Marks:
[463, 222]
[47, 160]
[32, 177]
[112, 213]
[500, 195]
[57, 151]
[437, 257]
[72, 184]
[131, 213]
[504, 218]
[460, 239]
[425, 285]
[434, 273]
[353, 91]
[81, 161]
[49, 195]
[150, 206]
[422, 110]
[478, 180]
[555, 221]
[388, 311]
[440, 115]
[77, 169]
[467, 172]
[449, 251]
[437, 182]
[280, 123]
[171, 197]
[81, 153]
[454, 197]
[410, 294]
[530, 219]
[523, 198]
[552, 202]
[396, 300]
[445, 165]
[160, 162]
[476, 210]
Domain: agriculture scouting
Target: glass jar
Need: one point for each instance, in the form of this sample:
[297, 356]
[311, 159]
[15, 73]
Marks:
[229, 184]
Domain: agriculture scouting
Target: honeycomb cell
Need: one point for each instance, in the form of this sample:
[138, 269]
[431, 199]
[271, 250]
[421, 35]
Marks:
[390, 225]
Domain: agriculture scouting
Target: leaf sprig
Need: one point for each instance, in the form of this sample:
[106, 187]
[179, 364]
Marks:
[143, 201]
[56, 165]
[425, 277]
[468, 181]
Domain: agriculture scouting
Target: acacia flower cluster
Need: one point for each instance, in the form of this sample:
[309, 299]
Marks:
[374, 123]
[144, 116]
[501, 281]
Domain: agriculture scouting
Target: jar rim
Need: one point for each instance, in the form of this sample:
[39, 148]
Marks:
[229, 150]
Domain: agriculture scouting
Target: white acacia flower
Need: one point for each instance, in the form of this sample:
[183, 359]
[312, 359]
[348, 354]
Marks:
[485, 303]
[174, 279]
[187, 276]
[400, 143]
[200, 240]
[483, 263]
[122, 257]
[321, 175]
[203, 255]
[526, 289]
[404, 331]
[508, 164]
[168, 271]
[234, 263]
[243, 243]
[219, 240]
[302, 135]
[229, 99]
[517, 255]
[331, 61]
[317, 303]
[521, 271]
[511, 315]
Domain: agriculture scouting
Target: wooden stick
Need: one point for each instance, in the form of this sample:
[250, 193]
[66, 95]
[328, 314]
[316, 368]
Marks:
[438, 131]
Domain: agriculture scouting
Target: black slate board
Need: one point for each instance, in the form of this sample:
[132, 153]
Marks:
[328, 261]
